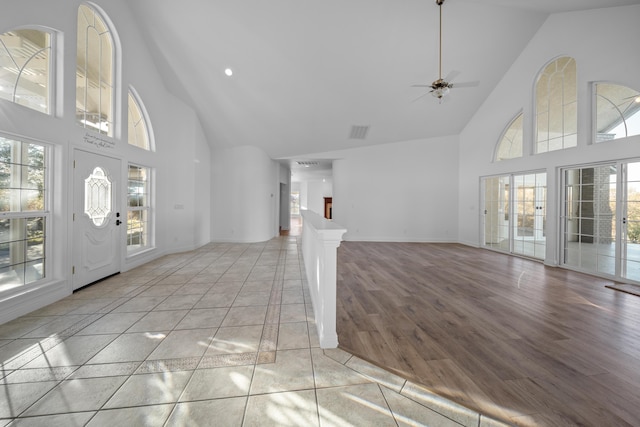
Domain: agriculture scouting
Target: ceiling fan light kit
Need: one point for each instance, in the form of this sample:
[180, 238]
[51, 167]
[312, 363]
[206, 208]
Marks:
[439, 88]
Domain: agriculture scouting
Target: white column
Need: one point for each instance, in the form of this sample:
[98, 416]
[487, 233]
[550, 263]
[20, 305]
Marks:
[320, 241]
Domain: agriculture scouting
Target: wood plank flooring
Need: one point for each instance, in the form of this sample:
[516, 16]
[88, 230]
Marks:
[524, 343]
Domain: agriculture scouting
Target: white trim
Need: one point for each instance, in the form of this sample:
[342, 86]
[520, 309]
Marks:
[16, 305]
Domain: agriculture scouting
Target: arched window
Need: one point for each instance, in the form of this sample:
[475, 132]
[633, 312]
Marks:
[617, 112]
[25, 68]
[94, 73]
[556, 106]
[510, 144]
[139, 129]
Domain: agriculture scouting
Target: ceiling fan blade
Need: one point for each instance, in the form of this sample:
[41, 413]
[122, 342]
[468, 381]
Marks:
[422, 96]
[465, 84]
[452, 75]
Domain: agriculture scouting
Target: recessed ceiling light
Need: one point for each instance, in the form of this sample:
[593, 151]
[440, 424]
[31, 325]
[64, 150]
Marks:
[228, 72]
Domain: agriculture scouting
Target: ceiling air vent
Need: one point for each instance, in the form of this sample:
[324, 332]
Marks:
[358, 132]
[307, 164]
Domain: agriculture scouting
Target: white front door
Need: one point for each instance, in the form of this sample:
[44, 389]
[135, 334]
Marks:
[96, 218]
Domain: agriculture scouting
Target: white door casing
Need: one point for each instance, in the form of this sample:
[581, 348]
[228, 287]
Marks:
[96, 217]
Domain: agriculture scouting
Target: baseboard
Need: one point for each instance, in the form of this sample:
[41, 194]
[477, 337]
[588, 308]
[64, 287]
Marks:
[17, 305]
[396, 240]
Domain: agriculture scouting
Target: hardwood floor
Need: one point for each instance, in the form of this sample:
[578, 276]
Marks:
[524, 343]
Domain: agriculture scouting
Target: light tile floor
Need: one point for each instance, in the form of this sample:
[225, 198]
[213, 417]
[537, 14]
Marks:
[220, 336]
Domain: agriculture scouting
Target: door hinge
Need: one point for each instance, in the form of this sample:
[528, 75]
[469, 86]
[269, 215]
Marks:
[74, 217]
[74, 164]
[73, 269]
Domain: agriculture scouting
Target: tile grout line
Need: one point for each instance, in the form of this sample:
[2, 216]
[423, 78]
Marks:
[179, 361]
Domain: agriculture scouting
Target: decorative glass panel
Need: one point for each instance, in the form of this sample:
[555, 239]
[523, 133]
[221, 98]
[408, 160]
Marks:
[510, 145]
[94, 73]
[617, 112]
[138, 134]
[97, 196]
[25, 64]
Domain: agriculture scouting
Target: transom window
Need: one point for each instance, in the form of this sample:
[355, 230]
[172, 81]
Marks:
[556, 106]
[25, 64]
[510, 144]
[138, 129]
[94, 73]
[23, 212]
[617, 112]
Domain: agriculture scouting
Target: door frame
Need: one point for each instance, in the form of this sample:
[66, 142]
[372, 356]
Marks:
[118, 197]
[539, 216]
[620, 231]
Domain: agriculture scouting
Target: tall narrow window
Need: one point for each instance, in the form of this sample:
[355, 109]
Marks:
[23, 212]
[617, 112]
[94, 73]
[138, 129]
[138, 210]
[25, 64]
[510, 144]
[556, 106]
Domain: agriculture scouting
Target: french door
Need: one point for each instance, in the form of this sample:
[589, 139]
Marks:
[601, 219]
[96, 218]
[514, 214]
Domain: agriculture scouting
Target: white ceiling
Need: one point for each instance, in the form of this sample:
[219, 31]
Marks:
[306, 71]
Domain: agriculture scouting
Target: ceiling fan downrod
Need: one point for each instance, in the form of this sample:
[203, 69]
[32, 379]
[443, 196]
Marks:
[439, 3]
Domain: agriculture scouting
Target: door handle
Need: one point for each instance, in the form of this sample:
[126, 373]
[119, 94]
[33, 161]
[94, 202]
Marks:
[118, 222]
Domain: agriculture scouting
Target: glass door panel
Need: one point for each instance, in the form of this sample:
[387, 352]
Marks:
[631, 224]
[589, 218]
[515, 213]
[530, 193]
[496, 213]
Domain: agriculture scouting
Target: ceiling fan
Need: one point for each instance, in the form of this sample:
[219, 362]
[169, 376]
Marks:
[441, 87]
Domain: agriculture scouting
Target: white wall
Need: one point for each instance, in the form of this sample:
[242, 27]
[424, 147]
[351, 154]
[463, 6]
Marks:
[303, 191]
[405, 191]
[317, 190]
[602, 42]
[245, 184]
[179, 143]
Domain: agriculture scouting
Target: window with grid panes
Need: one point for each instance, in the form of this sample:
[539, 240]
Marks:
[138, 209]
[24, 213]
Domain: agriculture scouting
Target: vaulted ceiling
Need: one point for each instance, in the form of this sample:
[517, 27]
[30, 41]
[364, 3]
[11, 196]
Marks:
[305, 72]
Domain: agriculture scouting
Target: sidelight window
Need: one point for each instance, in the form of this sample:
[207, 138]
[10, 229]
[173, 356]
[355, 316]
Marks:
[138, 209]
